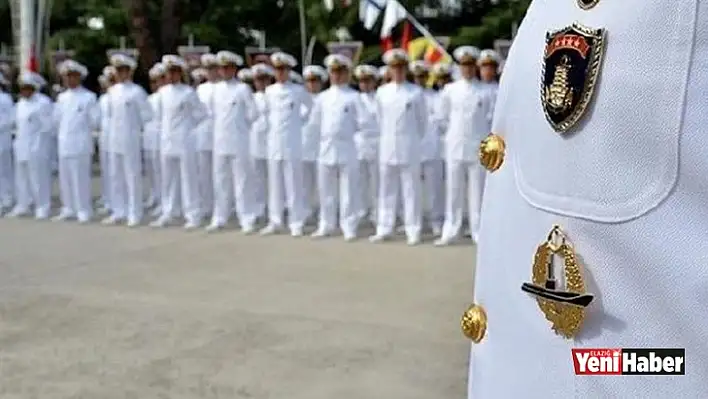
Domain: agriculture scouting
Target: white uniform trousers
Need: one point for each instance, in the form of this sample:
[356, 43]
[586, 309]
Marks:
[54, 153]
[127, 186]
[7, 179]
[33, 185]
[106, 187]
[180, 181]
[75, 186]
[205, 173]
[233, 178]
[309, 184]
[400, 183]
[369, 187]
[259, 170]
[337, 186]
[434, 191]
[285, 182]
[463, 178]
[153, 176]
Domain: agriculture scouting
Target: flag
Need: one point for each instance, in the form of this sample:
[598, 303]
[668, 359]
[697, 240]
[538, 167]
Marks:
[33, 65]
[369, 11]
[393, 15]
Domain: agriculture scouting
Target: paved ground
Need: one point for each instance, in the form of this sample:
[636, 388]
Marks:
[106, 312]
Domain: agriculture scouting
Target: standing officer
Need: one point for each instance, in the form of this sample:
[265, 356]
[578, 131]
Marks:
[234, 113]
[205, 133]
[151, 142]
[488, 64]
[284, 104]
[129, 112]
[315, 78]
[180, 113]
[367, 141]
[107, 80]
[403, 118]
[467, 126]
[337, 112]
[77, 114]
[7, 122]
[262, 78]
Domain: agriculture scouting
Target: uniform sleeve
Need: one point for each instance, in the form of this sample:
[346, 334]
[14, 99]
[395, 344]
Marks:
[249, 102]
[444, 107]
[314, 118]
[488, 104]
[145, 109]
[94, 112]
[199, 110]
[421, 114]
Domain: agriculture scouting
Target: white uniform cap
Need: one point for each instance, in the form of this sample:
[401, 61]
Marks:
[366, 71]
[70, 66]
[122, 60]
[283, 59]
[199, 73]
[208, 60]
[419, 67]
[314, 71]
[383, 71]
[170, 61]
[109, 71]
[441, 69]
[336, 61]
[245, 75]
[466, 54]
[29, 78]
[395, 56]
[295, 77]
[103, 81]
[261, 69]
[228, 58]
[157, 71]
[488, 56]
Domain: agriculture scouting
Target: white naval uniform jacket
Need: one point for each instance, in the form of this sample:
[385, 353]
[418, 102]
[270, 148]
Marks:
[205, 135]
[233, 114]
[367, 138]
[493, 88]
[151, 134]
[76, 114]
[7, 121]
[284, 104]
[180, 113]
[431, 148]
[403, 118]
[466, 106]
[104, 105]
[259, 128]
[35, 125]
[338, 112]
[627, 185]
[129, 111]
[310, 133]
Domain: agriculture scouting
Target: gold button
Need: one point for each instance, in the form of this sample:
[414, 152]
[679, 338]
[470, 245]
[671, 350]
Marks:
[474, 323]
[491, 152]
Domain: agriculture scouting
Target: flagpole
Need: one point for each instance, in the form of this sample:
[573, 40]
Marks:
[303, 32]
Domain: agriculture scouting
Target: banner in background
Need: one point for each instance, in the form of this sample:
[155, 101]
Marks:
[352, 50]
[257, 55]
[193, 54]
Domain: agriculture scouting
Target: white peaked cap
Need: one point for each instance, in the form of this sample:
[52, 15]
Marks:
[70, 66]
[283, 59]
[245, 75]
[228, 58]
[29, 78]
[488, 55]
[103, 80]
[334, 61]
[208, 60]
[109, 71]
[315, 71]
[173, 61]
[121, 60]
[295, 77]
[157, 71]
[366, 70]
[419, 67]
[199, 73]
[262, 69]
[466, 53]
[395, 56]
[442, 68]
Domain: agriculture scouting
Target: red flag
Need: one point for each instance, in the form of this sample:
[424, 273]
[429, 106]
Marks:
[406, 35]
[33, 65]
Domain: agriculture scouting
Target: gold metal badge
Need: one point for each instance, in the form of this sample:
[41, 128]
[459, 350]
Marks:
[571, 65]
[491, 152]
[565, 306]
[474, 323]
[587, 4]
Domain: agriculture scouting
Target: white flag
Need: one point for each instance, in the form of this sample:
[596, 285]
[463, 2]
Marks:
[369, 11]
[394, 14]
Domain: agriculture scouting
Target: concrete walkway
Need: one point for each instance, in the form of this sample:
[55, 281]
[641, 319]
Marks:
[107, 312]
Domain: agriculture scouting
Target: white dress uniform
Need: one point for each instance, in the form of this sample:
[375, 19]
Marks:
[7, 179]
[284, 104]
[432, 163]
[129, 112]
[33, 180]
[311, 143]
[627, 185]
[77, 114]
[233, 115]
[103, 141]
[151, 147]
[367, 141]
[259, 145]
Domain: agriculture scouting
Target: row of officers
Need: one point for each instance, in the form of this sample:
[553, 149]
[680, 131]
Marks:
[274, 150]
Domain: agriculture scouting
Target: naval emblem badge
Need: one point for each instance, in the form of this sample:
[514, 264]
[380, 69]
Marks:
[587, 4]
[571, 64]
[564, 306]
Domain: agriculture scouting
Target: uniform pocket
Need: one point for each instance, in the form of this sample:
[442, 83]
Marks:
[621, 160]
